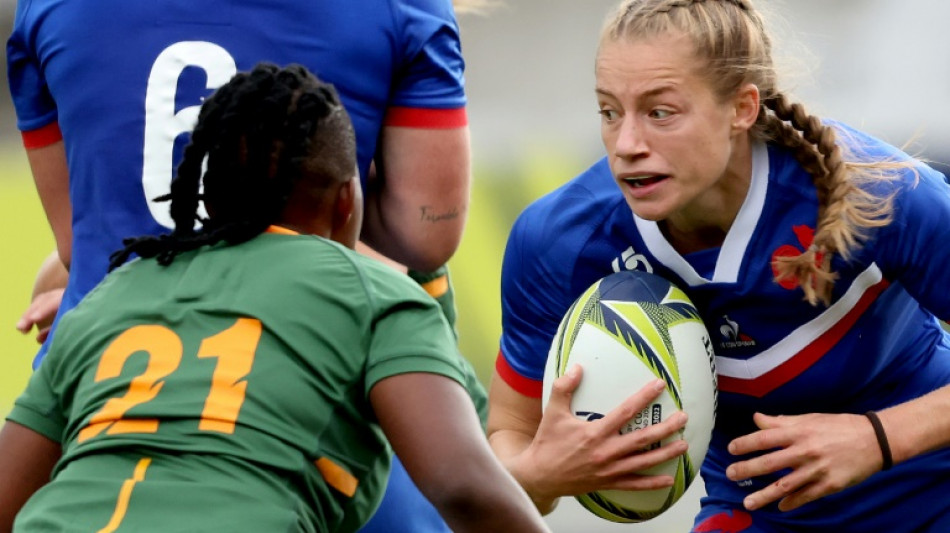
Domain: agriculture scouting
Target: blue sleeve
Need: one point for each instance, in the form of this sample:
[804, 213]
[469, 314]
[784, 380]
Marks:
[32, 100]
[430, 72]
[914, 248]
[534, 295]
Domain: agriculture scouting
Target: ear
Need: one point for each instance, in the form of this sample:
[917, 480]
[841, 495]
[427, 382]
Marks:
[343, 204]
[347, 213]
[746, 108]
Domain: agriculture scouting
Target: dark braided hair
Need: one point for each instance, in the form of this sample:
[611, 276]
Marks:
[260, 133]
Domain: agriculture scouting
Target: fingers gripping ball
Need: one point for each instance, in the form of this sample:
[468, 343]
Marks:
[626, 330]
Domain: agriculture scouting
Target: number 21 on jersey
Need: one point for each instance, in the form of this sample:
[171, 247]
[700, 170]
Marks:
[234, 348]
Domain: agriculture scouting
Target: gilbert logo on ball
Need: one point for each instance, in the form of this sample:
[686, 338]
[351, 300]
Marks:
[626, 330]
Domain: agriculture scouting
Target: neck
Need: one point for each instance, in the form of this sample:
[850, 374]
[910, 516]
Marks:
[707, 220]
[306, 216]
[686, 242]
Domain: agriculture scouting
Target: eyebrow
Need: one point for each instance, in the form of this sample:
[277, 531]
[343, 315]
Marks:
[647, 94]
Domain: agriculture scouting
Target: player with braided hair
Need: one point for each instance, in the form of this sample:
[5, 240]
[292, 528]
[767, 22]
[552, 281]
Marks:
[105, 131]
[249, 375]
[810, 250]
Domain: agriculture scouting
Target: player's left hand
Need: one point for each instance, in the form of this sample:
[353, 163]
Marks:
[826, 453]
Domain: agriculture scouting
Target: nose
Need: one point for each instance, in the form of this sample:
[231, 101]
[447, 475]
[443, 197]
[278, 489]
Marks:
[630, 141]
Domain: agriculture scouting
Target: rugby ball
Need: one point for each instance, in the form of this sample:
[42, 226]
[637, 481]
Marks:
[626, 330]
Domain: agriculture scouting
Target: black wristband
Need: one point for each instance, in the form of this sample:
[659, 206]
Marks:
[881, 439]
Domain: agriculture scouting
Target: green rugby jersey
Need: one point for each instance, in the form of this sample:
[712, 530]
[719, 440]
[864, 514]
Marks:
[438, 284]
[229, 390]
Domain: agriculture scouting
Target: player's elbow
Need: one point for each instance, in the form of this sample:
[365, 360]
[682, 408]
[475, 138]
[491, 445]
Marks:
[430, 255]
[424, 251]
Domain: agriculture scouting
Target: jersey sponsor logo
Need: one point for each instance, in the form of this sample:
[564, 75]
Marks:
[805, 236]
[630, 260]
[731, 336]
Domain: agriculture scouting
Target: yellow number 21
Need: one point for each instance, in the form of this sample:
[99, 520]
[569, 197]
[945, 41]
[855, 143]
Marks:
[234, 347]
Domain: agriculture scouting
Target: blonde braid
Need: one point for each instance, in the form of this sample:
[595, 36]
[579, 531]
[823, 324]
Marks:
[845, 211]
[734, 49]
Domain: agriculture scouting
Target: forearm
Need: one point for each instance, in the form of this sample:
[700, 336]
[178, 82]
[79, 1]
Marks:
[26, 461]
[918, 426]
[51, 176]
[417, 195]
[513, 423]
[480, 504]
[422, 235]
[511, 448]
[446, 454]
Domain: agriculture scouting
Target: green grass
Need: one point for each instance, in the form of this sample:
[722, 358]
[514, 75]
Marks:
[26, 241]
[498, 196]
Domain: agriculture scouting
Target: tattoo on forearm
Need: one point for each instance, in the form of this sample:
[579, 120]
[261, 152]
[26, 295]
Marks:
[427, 214]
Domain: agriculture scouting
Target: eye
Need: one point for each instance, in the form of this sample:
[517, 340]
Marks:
[660, 113]
[609, 115]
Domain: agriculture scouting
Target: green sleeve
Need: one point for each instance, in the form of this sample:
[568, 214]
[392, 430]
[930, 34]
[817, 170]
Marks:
[444, 295]
[38, 408]
[409, 332]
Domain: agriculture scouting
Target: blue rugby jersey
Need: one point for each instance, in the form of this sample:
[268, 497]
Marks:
[879, 342]
[125, 101]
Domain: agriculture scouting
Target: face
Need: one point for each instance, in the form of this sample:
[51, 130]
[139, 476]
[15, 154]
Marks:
[670, 140]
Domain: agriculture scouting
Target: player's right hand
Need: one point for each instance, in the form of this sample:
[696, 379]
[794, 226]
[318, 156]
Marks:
[574, 456]
[40, 313]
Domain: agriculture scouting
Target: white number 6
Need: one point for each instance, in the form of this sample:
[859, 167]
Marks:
[163, 125]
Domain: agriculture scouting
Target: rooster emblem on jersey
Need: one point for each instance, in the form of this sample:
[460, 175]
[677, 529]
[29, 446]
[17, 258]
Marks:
[731, 336]
[806, 236]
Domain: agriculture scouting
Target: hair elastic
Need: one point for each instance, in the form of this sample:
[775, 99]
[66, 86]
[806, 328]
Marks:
[881, 439]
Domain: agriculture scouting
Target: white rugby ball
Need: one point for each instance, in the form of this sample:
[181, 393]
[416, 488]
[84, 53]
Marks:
[626, 330]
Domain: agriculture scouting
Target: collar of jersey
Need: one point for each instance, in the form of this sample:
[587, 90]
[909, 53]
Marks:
[736, 243]
[280, 230]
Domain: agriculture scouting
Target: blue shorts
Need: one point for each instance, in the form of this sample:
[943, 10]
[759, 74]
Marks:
[404, 509]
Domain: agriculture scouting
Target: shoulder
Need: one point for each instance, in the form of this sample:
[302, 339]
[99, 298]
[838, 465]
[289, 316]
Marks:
[441, 9]
[903, 172]
[422, 17]
[899, 170]
[863, 145]
[28, 11]
[380, 286]
[293, 265]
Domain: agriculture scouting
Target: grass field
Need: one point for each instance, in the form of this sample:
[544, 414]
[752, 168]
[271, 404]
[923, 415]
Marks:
[498, 196]
[26, 241]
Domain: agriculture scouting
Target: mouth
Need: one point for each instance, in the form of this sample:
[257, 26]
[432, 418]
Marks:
[639, 182]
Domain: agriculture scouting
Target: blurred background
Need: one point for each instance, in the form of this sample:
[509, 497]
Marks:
[880, 65]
